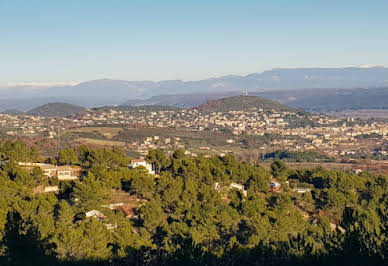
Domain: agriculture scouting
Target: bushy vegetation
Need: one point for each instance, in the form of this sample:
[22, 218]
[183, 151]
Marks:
[182, 219]
[369, 136]
[294, 156]
[239, 103]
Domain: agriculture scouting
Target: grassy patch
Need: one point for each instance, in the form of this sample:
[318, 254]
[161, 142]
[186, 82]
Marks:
[101, 142]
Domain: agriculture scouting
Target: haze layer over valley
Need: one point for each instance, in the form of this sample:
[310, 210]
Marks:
[296, 87]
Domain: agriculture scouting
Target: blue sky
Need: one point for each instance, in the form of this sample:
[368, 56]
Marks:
[79, 40]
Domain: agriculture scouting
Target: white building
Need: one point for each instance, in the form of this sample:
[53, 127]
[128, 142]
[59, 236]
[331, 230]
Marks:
[95, 214]
[217, 186]
[141, 162]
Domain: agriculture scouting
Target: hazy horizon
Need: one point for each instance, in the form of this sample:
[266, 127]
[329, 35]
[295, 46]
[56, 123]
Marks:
[38, 85]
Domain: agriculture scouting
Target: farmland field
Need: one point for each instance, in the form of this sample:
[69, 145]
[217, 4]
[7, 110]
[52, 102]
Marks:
[107, 132]
[100, 142]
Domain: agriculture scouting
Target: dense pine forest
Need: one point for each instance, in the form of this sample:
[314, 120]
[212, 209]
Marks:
[188, 213]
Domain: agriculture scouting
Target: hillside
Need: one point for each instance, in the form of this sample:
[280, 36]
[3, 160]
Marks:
[240, 103]
[56, 109]
[12, 112]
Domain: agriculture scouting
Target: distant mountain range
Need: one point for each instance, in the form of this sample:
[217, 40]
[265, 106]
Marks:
[116, 92]
[327, 100]
[320, 100]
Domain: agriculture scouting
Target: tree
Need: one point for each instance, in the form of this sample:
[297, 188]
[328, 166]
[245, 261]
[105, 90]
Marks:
[88, 241]
[154, 220]
[91, 193]
[143, 186]
[278, 169]
[19, 152]
[38, 176]
[178, 154]
[158, 159]
[179, 216]
[67, 157]
[23, 246]
[64, 214]
[258, 182]
[125, 241]
[84, 154]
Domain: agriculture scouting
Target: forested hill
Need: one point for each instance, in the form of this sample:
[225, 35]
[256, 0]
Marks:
[57, 109]
[195, 211]
[242, 103]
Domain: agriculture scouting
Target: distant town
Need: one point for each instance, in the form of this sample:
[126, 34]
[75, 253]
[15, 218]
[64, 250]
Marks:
[261, 129]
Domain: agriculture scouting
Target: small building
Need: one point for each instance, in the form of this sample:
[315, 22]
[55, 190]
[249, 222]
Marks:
[239, 187]
[63, 173]
[217, 186]
[49, 169]
[301, 190]
[357, 171]
[48, 189]
[68, 173]
[141, 162]
[113, 206]
[45, 189]
[274, 184]
[95, 214]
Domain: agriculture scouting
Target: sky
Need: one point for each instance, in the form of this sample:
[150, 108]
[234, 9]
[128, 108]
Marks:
[50, 41]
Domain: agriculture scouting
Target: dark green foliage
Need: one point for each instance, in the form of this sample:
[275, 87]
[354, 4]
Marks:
[181, 219]
[290, 156]
[67, 157]
[19, 152]
[242, 103]
[91, 193]
[159, 160]
[278, 169]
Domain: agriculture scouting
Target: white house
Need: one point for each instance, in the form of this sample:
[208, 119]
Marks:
[51, 189]
[301, 190]
[95, 214]
[239, 187]
[217, 186]
[141, 162]
[65, 172]
[68, 172]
